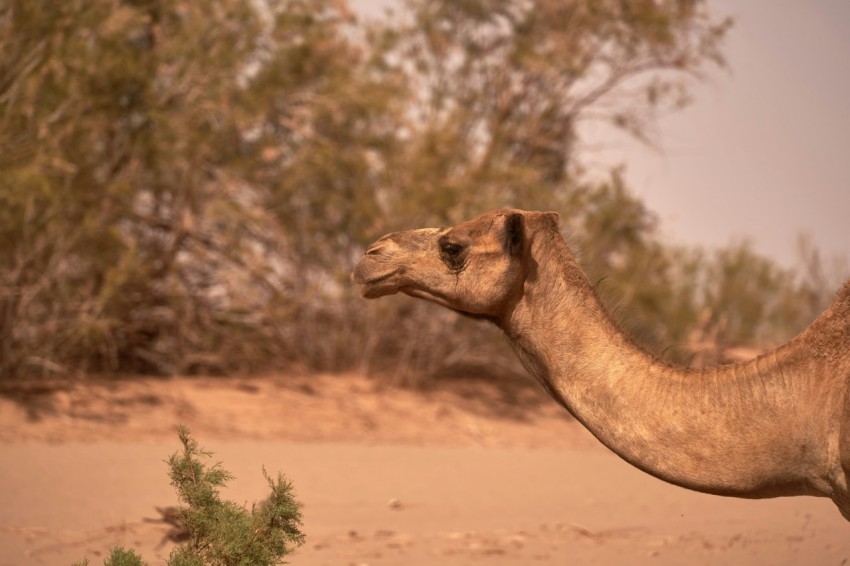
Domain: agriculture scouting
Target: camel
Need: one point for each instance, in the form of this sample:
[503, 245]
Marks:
[777, 425]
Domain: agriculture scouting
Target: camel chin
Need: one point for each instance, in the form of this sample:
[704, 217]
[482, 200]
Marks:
[375, 291]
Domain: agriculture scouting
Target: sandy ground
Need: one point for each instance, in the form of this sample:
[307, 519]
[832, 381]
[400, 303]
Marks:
[465, 473]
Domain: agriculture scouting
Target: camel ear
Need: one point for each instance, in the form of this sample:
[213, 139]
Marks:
[514, 234]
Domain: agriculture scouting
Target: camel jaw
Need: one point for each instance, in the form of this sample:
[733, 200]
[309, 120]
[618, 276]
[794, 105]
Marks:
[429, 295]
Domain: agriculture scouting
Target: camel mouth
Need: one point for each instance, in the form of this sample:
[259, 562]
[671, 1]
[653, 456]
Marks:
[374, 285]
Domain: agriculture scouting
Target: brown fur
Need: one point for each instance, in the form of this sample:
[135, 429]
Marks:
[776, 425]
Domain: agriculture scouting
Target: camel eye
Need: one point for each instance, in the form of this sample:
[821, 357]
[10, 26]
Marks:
[451, 250]
[452, 254]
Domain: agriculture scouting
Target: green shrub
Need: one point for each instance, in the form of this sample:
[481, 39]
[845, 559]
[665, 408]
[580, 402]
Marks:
[222, 533]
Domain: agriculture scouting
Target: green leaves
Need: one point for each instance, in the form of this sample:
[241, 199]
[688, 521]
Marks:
[118, 556]
[224, 533]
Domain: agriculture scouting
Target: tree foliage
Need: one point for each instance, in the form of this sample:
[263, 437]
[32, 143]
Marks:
[160, 173]
[184, 186]
[501, 88]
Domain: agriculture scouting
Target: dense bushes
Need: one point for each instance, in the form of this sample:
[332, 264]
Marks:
[184, 186]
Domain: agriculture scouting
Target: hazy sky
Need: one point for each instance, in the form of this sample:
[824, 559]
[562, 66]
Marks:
[764, 151]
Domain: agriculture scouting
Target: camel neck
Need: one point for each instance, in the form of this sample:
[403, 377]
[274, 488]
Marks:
[709, 431]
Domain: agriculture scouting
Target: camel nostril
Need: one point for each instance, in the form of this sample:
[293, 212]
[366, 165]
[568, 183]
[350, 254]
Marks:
[374, 250]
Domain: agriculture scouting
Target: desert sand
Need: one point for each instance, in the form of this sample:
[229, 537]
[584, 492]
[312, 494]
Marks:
[466, 472]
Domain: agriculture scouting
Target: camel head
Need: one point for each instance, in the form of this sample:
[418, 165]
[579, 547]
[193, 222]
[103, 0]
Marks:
[477, 268]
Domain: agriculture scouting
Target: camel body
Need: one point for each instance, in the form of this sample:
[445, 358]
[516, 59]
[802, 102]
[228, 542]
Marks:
[774, 426]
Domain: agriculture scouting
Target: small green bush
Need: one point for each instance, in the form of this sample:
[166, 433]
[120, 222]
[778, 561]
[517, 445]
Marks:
[118, 556]
[222, 533]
